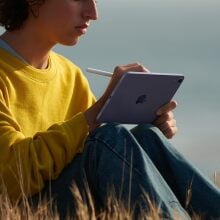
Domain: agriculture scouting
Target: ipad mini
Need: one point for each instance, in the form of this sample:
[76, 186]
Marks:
[138, 96]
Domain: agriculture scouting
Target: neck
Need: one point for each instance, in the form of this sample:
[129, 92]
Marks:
[29, 46]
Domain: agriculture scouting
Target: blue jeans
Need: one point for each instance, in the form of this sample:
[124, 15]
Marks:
[131, 162]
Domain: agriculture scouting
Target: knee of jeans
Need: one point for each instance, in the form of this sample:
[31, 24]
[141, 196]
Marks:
[111, 134]
[106, 141]
[147, 130]
[109, 130]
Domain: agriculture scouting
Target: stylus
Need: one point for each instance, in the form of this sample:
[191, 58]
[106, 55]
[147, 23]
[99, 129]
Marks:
[99, 72]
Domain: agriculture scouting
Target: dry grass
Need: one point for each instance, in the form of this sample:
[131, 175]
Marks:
[216, 178]
[115, 209]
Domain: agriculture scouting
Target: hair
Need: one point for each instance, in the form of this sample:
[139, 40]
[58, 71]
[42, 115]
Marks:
[13, 13]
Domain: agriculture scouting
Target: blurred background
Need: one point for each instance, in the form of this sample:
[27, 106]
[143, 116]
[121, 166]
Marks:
[173, 36]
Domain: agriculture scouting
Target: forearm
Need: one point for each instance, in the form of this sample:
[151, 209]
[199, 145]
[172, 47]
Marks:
[91, 114]
[25, 163]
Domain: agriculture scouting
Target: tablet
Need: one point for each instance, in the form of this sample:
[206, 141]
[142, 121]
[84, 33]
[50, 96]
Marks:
[138, 96]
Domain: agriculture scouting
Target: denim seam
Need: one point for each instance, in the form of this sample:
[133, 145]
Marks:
[116, 153]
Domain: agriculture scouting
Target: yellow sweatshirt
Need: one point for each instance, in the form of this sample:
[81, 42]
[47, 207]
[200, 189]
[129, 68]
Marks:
[42, 126]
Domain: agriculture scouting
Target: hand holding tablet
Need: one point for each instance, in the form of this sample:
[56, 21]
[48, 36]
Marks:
[137, 96]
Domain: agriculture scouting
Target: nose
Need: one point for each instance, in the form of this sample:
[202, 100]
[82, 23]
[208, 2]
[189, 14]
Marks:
[90, 11]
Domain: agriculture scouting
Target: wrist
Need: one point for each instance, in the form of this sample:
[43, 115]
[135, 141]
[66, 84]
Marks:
[91, 114]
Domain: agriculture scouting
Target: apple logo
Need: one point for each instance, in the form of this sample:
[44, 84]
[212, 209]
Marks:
[141, 99]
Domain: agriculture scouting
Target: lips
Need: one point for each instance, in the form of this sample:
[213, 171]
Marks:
[82, 28]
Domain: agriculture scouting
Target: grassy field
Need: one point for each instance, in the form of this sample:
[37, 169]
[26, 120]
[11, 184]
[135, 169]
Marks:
[115, 209]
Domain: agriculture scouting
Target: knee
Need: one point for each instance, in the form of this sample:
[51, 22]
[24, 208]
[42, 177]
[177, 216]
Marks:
[110, 135]
[105, 145]
[147, 130]
[108, 131]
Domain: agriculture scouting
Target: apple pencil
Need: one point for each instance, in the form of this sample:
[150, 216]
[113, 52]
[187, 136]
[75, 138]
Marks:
[99, 72]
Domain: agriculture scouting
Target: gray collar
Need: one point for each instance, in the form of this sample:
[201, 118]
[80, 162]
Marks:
[4, 45]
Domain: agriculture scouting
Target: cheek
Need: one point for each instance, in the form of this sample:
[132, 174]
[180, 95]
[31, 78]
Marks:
[61, 13]
[67, 19]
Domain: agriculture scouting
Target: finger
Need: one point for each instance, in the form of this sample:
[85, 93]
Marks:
[163, 118]
[169, 133]
[136, 67]
[129, 65]
[118, 72]
[166, 125]
[167, 107]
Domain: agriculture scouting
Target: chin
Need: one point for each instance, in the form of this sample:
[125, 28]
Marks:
[69, 42]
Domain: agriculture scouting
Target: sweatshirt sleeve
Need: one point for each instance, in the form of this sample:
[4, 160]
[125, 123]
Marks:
[26, 162]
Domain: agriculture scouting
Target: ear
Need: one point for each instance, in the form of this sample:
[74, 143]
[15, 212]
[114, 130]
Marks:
[34, 6]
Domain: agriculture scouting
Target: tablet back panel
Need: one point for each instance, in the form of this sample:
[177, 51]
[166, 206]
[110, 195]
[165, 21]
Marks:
[137, 97]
